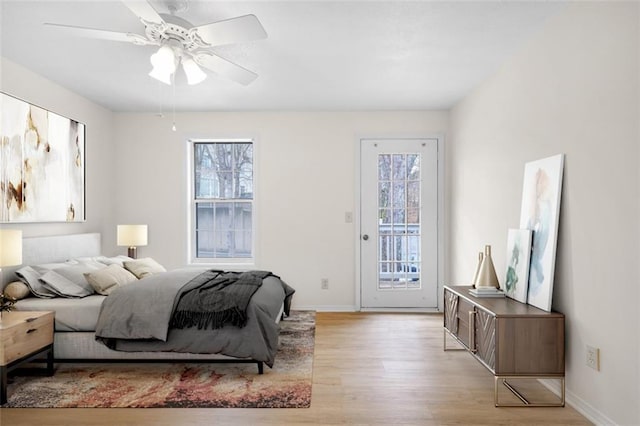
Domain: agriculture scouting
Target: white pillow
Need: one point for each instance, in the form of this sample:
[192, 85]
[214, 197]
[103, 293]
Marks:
[105, 280]
[116, 260]
[102, 259]
[144, 267]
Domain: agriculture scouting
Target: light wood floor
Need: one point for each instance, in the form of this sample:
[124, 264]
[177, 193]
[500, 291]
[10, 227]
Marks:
[369, 369]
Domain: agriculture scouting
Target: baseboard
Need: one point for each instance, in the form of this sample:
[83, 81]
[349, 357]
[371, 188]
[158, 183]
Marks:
[403, 310]
[579, 404]
[351, 308]
[326, 308]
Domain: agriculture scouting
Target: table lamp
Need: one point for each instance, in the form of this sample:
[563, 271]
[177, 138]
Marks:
[132, 236]
[10, 249]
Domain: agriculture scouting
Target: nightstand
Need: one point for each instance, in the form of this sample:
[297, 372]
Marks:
[23, 337]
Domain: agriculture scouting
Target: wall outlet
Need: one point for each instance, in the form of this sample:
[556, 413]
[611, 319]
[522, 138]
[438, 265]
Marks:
[593, 358]
[324, 283]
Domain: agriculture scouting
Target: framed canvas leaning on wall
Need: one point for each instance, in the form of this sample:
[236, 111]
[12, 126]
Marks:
[540, 213]
[516, 280]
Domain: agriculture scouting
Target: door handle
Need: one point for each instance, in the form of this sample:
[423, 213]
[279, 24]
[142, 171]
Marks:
[365, 237]
[472, 332]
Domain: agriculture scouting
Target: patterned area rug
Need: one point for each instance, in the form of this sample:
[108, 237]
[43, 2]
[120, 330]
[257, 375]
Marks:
[286, 385]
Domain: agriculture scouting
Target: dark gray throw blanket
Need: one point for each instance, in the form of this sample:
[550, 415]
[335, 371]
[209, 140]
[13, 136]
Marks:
[217, 298]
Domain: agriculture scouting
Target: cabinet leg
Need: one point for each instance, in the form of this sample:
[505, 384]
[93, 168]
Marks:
[525, 402]
[444, 343]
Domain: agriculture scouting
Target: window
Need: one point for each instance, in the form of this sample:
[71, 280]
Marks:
[223, 201]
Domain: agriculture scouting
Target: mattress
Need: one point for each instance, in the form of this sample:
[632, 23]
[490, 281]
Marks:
[70, 314]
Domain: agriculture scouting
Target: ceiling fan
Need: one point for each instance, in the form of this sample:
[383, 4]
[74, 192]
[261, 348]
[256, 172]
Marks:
[182, 43]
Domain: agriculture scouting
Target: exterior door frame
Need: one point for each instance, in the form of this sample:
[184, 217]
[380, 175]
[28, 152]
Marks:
[441, 221]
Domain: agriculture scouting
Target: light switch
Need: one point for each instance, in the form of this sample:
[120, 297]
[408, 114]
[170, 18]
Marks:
[348, 217]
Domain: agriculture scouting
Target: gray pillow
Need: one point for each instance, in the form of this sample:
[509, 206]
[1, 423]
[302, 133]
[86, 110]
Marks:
[69, 281]
[64, 287]
[31, 277]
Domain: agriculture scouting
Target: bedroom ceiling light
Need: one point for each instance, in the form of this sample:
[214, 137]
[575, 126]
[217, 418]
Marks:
[165, 63]
[181, 41]
[132, 236]
[194, 73]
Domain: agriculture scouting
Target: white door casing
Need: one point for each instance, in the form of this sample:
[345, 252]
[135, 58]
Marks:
[399, 223]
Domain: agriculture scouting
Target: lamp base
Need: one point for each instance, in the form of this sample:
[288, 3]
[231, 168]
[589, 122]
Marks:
[132, 252]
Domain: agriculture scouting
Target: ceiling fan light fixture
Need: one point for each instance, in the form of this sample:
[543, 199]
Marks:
[164, 63]
[167, 58]
[160, 75]
[194, 73]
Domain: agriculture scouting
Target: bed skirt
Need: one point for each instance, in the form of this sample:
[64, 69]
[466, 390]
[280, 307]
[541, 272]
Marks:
[83, 346]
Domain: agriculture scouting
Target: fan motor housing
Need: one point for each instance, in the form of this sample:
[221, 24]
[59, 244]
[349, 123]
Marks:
[174, 28]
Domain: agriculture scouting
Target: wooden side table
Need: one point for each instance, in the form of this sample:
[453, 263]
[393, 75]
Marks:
[24, 336]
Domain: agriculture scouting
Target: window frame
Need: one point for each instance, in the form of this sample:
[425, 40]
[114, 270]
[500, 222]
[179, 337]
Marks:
[236, 262]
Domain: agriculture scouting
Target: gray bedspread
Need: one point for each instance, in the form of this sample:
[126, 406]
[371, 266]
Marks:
[136, 317]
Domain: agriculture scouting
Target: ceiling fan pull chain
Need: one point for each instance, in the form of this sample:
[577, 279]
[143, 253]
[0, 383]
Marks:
[160, 112]
[173, 77]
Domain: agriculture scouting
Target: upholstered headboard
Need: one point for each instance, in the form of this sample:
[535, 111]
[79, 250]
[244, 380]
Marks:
[57, 248]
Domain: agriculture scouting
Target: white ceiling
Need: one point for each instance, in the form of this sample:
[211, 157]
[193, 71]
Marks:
[319, 55]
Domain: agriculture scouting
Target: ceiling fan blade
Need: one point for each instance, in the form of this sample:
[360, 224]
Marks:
[143, 10]
[234, 30]
[101, 34]
[225, 68]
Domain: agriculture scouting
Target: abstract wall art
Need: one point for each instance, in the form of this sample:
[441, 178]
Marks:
[42, 164]
[518, 256]
[540, 213]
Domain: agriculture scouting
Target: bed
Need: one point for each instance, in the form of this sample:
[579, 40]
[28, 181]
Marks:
[96, 328]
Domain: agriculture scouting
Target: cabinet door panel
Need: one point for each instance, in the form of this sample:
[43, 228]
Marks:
[531, 346]
[485, 338]
[451, 312]
[464, 307]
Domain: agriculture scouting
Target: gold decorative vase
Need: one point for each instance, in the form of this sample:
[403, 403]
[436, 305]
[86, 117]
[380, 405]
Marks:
[475, 275]
[487, 273]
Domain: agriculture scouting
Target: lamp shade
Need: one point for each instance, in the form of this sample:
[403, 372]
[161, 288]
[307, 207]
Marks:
[194, 73]
[132, 235]
[161, 76]
[164, 63]
[10, 247]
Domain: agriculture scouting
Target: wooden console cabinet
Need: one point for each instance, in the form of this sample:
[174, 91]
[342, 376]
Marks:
[511, 339]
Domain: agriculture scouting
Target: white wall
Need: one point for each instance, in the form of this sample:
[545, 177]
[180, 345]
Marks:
[305, 183]
[573, 89]
[18, 81]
